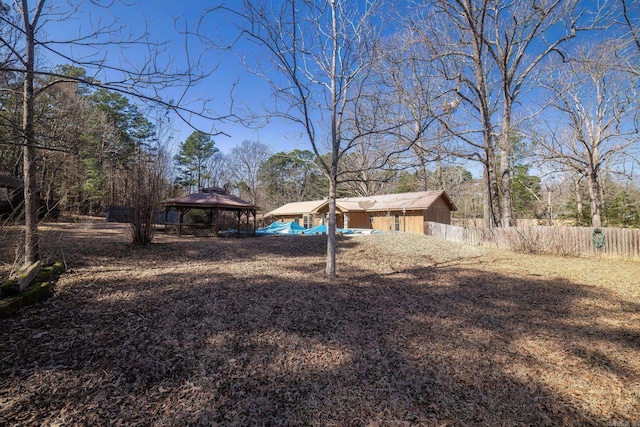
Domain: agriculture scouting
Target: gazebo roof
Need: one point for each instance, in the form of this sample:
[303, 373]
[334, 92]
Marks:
[209, 198]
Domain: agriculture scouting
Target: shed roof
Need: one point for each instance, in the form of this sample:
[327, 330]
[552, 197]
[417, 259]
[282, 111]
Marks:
[209, 198]
[409, 201]
[298, 208]
[386, 202]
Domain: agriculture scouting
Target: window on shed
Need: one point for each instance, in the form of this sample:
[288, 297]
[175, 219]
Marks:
[307, 221]
[396, 222]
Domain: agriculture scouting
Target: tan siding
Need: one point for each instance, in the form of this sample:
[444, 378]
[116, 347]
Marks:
[359, 220]
[409, 221]
[438, 214]
[440, 204]
[382, 222]
[414, 222]
[287, 218]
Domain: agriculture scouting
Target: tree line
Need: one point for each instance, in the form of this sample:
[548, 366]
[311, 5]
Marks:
[269, 180]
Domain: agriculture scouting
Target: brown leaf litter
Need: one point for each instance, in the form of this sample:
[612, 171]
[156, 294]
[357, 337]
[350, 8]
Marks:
[415, 331]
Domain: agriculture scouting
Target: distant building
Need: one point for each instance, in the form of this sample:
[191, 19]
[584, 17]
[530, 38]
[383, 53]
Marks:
[389, 212]
[223, 213]
[11, 195]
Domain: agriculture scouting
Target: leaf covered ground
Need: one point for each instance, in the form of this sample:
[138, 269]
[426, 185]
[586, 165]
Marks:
[415, 331]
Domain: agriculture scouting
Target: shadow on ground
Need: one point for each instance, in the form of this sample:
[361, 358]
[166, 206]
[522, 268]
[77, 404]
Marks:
[236, 344]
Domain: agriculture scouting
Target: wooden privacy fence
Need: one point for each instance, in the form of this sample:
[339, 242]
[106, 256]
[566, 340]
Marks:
[620, 243]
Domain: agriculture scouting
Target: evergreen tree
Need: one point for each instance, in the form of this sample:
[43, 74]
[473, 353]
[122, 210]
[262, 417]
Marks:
[525, 192]
[291, 177]
[623, 211]
[192, 160]
[117, 151]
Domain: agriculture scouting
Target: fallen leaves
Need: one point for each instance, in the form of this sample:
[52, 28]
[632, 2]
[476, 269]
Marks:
[415, 331]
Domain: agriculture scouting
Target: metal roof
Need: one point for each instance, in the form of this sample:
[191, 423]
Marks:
[408, 201]
[298, 208]
[209, 198]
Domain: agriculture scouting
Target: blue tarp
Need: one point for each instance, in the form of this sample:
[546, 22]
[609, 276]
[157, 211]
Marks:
[295, 228]
[322, 229]
[281, 228]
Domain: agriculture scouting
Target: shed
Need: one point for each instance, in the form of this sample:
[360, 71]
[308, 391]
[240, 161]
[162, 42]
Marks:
[388, 212]
[11, 195]
[223, 213]
[302, 213]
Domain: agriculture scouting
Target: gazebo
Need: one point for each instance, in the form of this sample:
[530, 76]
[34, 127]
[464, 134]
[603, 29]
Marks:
[218, 206]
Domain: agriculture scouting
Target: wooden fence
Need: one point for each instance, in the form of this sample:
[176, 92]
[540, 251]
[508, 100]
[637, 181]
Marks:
[618, 243]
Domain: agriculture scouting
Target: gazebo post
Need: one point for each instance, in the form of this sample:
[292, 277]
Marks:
[216, 228]
[166, 219]
[180, 215]
[214, 201]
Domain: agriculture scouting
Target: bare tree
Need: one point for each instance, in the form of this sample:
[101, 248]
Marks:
[599, 110]
[24, 26]
[490, 50]
[423, 100]
[323, 53]
[149, 181]
[454, 34]
[245, 162]
[368, 169]
[218, 172]
[521, 37]
[629, 7]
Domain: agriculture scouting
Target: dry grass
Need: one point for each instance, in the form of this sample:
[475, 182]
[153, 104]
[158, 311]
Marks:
[415, 331]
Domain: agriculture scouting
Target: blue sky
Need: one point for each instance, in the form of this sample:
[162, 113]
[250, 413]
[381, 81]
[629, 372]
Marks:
[162, 17]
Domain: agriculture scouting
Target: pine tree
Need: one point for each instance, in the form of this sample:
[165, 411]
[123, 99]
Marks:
[192, 160]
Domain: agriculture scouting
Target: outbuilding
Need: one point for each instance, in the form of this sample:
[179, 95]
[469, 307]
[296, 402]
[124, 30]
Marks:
[389, 212]
[11, 195]
[219, 212]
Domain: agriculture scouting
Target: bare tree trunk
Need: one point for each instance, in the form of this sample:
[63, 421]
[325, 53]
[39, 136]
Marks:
[505, 167]
[486, 196]
[491, 198]
[331, 231]
[601, 185]
[550, 207]
[335, 149]
[31, 201]
[492, 210]
[579, 206]
[594, 196]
